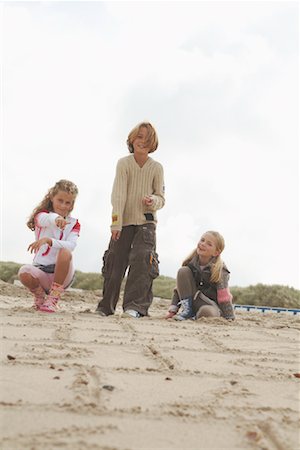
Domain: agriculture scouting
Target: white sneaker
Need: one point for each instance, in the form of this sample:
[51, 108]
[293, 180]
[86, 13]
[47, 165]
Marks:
[132, 313]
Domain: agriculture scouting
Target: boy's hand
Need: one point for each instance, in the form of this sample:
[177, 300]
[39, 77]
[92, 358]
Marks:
[35, 246]
[148, 200]
[115, 235]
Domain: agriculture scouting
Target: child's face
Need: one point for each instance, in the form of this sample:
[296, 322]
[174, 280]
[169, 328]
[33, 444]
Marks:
[62, 203]
[207, 246]
[140, 143]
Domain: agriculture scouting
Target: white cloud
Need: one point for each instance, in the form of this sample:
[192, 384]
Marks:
[218, 84]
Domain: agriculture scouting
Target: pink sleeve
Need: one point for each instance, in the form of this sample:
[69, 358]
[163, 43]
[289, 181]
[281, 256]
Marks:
[76, 228]
[224, 295]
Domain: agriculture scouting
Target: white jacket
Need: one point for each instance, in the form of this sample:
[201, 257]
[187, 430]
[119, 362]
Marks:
[45, 226]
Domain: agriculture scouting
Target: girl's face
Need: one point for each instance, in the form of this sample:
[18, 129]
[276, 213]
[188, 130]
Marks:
[207, 247]
[140, 143]
[62, 203]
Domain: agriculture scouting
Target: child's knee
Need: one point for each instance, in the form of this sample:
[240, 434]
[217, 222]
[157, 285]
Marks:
[65, 255]
[183, 272]
[26, 276]
[24, 273]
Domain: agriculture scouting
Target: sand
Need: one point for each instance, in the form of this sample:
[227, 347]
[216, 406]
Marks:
[74, 380]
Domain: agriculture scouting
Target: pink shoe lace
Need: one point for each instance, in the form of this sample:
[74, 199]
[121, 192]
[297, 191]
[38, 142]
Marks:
[50, 305]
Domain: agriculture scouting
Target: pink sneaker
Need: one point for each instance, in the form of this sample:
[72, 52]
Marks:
[38, 302]
[49, 305]
[39, 297]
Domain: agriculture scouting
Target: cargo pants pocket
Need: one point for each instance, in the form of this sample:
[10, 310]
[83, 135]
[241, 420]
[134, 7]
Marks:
[153, 265]
[108, 258]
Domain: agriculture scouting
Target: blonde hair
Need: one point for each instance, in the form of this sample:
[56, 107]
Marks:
[217, 265]
[152, 136]
[46, 203]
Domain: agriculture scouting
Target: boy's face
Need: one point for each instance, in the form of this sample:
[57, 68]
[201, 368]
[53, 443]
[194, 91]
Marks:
[141, 144]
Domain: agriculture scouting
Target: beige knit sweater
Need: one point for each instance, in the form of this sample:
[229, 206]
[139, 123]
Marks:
[131, 184]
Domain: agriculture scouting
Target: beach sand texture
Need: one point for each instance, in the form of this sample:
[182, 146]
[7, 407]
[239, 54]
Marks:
[74, 380]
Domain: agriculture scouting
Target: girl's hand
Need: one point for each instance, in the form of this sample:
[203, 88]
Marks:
[148, 200]
[61, 222]
[35, 246]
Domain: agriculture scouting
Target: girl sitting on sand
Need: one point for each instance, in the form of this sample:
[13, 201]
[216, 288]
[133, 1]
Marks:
[202, 282]
[56, 235]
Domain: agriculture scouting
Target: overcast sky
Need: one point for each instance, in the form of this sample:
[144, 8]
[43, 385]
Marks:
[218, 80]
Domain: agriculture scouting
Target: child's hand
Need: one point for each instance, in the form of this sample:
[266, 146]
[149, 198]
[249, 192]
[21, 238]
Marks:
[61, 222]
[170, 315]
[148, 200]
[115, 235]
[35, 246]
[172, 311]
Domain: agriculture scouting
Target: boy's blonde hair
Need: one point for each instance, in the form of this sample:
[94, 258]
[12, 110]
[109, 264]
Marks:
[46, 203]
[152, 136]
[217, 265]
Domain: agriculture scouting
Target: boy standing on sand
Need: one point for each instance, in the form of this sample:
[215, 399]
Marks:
[138, 192]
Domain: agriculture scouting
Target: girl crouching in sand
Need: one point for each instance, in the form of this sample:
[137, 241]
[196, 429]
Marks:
[56, 234]
[202, 282]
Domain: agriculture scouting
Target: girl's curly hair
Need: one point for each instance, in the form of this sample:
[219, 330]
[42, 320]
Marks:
[46, 203]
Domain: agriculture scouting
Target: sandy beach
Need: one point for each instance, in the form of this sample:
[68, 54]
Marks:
[74, 380]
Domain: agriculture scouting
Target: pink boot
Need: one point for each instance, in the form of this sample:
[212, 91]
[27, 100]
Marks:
[50, 304]
[39, 297]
